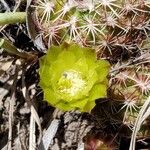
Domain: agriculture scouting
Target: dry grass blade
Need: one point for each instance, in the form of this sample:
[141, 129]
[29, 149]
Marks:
[141, 116]
[19, 142]
[32, 138]
[37, 119]
[32, 29]
[4, 90]
[49, 135]
[146, 114]
[11, 49]
[6, 5]
[10, 120]
[11, 110]
[4, 66]
[80, 146]
[32, 108]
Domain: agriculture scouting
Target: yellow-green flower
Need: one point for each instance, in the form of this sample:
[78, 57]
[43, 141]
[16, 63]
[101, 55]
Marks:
[72, 78]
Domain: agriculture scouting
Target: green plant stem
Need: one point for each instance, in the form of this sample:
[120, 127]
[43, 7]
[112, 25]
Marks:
[12, 18]
[11, 49]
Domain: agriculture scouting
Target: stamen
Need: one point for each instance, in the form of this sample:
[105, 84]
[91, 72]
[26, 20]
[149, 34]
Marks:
[71, 82]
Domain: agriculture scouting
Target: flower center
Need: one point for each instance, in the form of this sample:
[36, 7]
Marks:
[71, 83]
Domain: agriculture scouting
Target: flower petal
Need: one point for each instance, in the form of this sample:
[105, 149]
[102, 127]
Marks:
[102, 69]
[50, 97]
[79, 104]
[89, 106]
[98, 91]
[44, 71]
[72, 78]
[52, 54]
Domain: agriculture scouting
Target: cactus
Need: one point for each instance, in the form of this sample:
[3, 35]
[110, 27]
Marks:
[118, 30]
[132, 86]
[108, 26]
